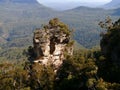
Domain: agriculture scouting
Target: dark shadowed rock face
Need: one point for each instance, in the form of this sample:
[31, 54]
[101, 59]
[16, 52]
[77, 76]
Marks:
[110, 43]
[111, 52]
[18, 1]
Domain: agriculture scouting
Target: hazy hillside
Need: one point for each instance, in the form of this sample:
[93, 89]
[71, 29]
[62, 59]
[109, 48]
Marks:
[85, 22]
[113, 4]
[18, 21]
[116, 12]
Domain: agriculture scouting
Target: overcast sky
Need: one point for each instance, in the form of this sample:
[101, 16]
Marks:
[67, 4]
[82, 1]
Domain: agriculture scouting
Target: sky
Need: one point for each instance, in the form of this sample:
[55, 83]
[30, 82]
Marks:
[68, 4]
[60, 1]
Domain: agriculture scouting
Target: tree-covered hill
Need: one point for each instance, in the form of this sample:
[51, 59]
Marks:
[18, 20]
[84, 70]
[113, 4]
[85, 22]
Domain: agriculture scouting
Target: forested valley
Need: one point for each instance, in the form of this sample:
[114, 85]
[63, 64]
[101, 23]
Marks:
[86, 69]
[44, 49]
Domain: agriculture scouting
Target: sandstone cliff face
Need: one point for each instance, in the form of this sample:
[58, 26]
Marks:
[50, 46]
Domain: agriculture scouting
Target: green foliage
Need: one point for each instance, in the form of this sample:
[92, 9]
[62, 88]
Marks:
[82, 71]
[108, 61]
[90, 82]
[12, 77]
[41, 77]
[109, 41]
[102, 58]
[56, 23]
[71, 43]
[12, 54]
[76, 71]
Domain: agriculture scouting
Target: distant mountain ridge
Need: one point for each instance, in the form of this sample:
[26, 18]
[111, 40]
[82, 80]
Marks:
[18, 1]
[19, 19]
[23, 16]
[85, 8]
[113, 4]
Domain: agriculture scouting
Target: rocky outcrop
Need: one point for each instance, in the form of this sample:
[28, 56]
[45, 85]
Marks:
[51, 44]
